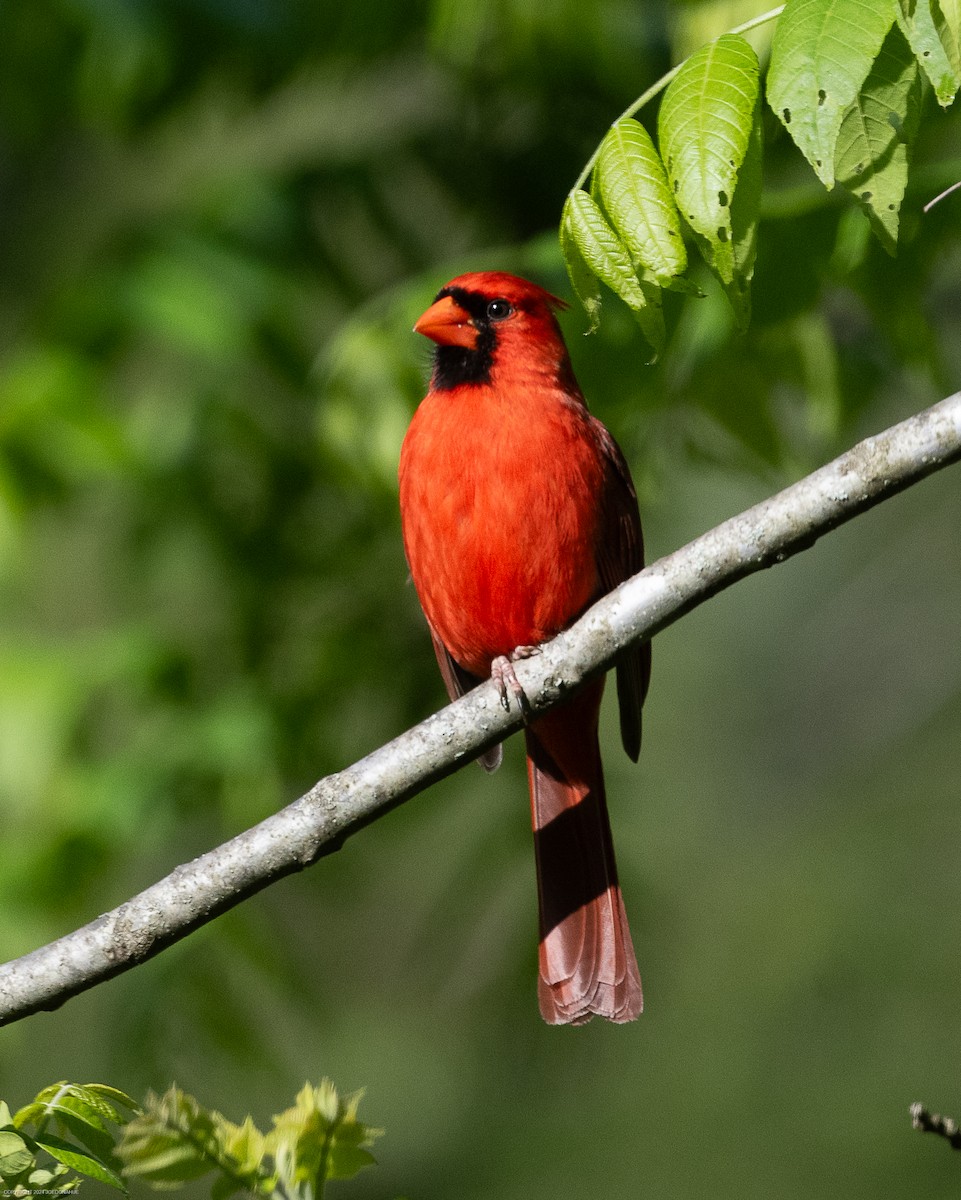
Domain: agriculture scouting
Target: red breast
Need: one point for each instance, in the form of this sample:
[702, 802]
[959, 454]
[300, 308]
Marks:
[500, 474]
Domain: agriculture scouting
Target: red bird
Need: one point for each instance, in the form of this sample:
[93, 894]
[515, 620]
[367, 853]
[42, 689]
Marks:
[518, 511]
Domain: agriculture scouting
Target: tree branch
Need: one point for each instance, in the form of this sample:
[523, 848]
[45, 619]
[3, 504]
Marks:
[339, 805]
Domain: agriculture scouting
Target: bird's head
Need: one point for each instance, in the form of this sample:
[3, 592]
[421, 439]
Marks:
[481, 320]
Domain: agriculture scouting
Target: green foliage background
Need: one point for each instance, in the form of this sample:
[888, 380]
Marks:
[218, 221]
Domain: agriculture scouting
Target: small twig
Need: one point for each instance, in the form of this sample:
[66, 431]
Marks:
[658, 87]
[937, 199]
[946, 1127]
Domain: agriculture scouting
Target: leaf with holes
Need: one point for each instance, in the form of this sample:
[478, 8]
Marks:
[636, 196]
[934, 45]
[876, 134]
[608, 258]
[745, 213]
[820, 56]
[709, 120]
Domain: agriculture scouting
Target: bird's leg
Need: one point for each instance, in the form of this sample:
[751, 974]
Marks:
[502, 673]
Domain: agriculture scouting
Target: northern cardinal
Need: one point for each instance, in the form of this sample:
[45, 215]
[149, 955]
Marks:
[518, 511]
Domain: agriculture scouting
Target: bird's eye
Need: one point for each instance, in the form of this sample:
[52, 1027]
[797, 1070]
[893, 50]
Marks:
[499, 310]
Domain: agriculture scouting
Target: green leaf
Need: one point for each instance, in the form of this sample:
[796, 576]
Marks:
[176, 1140]
[15, 1156]
[584, 282]
[79, 1160]
[636, 196]
[947, 18]
[43, 1177]
[349, 1151]
[934, 43]
[113, 1098]
[244, 1144]
[745, 214]
[650, 317]
[709, 132]
[605, 254]
[601, 248]
[83, 1112]
[320, 1138]
[820, 56]
[173, 1141]
[163, 1158]
[72, 1100]
[346, 1160]
[876, 135]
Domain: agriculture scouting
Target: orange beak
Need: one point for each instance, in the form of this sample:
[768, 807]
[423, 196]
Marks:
[446, 323]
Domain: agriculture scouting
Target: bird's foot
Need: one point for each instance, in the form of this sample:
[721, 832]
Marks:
[502, 673]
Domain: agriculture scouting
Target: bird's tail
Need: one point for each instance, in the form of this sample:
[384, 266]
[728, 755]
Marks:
[587, 961]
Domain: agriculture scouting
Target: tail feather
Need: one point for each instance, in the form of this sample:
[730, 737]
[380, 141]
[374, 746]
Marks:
[587, 961]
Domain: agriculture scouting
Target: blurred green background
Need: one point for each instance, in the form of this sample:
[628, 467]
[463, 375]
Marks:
[218, 221]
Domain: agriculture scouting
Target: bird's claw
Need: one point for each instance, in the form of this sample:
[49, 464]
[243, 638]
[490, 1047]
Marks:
[502, 673]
